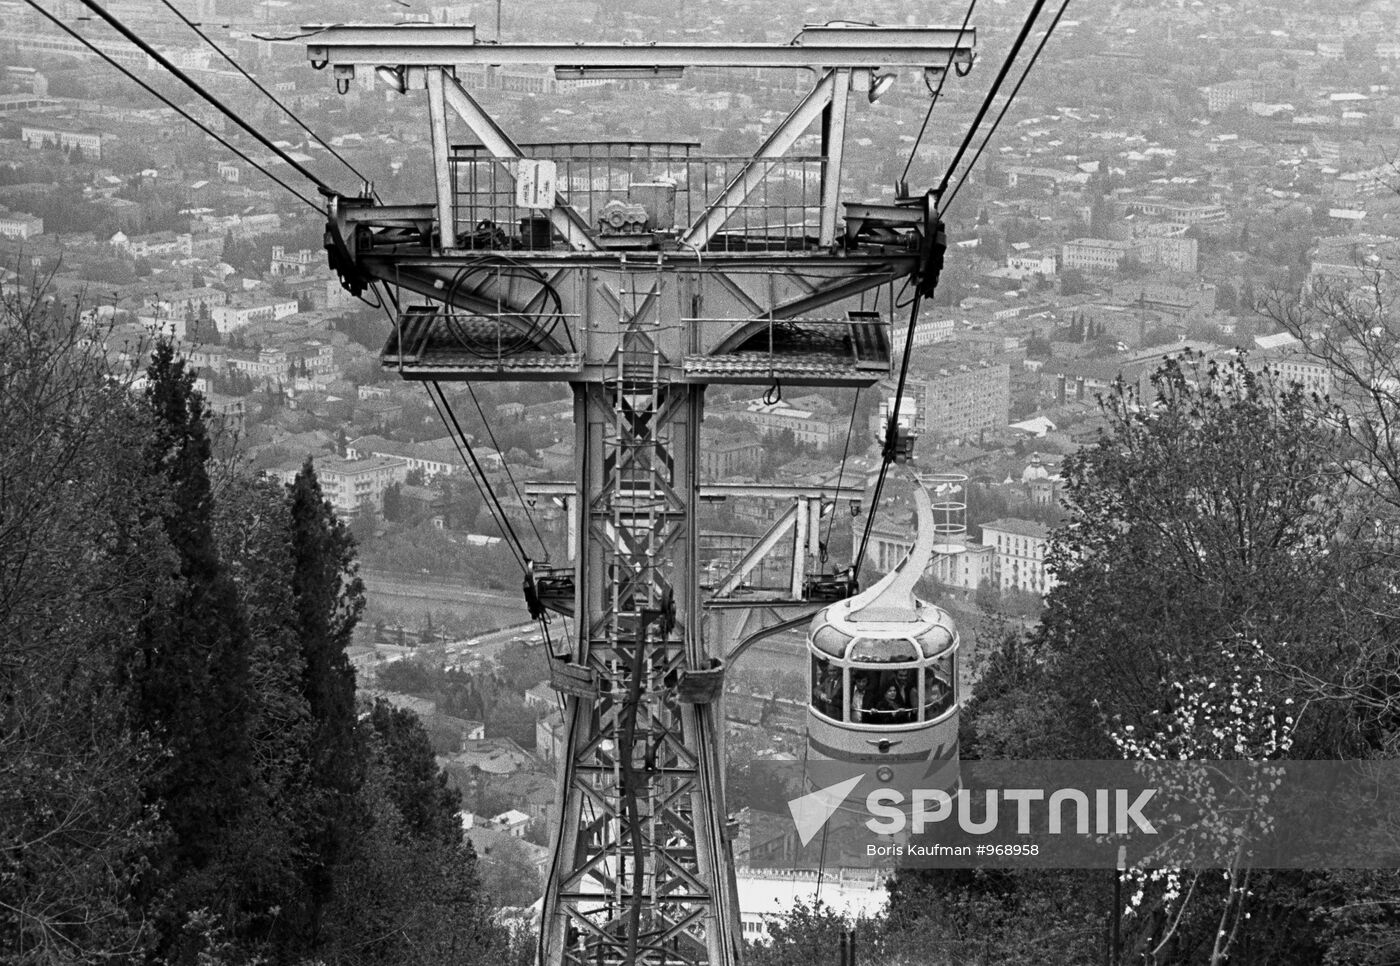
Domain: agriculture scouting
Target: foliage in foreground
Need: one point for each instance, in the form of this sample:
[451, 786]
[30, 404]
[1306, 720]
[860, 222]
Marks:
[184, 774]
[1224, 531]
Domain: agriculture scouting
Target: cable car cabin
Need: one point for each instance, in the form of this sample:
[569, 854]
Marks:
[884, 678]
[883, 692]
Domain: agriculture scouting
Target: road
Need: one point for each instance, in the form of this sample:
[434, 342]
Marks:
[488, 645]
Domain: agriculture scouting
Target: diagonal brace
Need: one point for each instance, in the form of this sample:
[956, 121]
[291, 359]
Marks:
[565, 219]
[780, 528]
[752, 174]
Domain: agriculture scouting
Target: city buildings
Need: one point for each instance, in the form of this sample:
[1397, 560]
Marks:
[890, 540]
[1286, 356]
[767, 895]
[1099, 256]
[1174, 254]
[189, 303]
[1020, 547]
[1231, 93]
[929, 330]
[892, 537]
[954, 403]
[86, 141]
[18, 224]
[294, 263]
[1010, 556]
[241, 312]
[968, 568]
[1183, 301]
[807, 426]
[354, 486]
[720, 458]
[432, 457]
[1176, 211]
[1028, 263]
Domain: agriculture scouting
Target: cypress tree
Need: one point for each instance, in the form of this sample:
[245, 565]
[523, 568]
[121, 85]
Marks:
[328, 599]
[252, 525]
[189, 673]
[417, 787]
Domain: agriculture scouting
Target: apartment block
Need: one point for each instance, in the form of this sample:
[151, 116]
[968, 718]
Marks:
[1020, 547]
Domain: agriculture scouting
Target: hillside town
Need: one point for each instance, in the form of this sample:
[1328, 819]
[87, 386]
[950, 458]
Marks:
[1170, 177]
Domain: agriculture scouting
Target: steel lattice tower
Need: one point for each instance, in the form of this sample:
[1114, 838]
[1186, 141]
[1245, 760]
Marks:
[639, 273]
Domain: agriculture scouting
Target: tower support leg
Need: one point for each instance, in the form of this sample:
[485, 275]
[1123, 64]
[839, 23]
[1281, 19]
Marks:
[642, 871]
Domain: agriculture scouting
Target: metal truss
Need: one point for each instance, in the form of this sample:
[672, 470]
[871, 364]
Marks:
[639, 324]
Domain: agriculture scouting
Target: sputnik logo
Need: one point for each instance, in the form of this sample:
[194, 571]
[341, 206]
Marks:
[813, 810]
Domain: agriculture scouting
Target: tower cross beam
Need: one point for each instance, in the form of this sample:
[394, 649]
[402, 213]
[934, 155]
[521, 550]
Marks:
[447, 45]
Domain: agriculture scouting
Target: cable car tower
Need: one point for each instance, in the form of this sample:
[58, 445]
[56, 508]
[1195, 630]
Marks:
[639, 273]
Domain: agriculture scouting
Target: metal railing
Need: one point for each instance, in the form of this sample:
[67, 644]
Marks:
[670, 181]
[719, 553]
[948, 493]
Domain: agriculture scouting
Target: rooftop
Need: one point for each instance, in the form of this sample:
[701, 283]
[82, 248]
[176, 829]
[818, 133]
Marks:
[1017, 527]
[325, 467]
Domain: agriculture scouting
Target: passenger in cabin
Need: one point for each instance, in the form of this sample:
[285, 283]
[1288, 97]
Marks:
[860, 708]
[826, 691]
[938, 694]
[908, 687]
[820, 669]
[835, 700]
[889, 709]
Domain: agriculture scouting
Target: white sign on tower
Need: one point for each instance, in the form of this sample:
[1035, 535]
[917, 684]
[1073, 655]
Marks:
[535, 184]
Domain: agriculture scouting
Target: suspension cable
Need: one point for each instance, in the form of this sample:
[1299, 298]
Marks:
[132, 76]
[987, 102]
[892, 423]
[254, 81]
[474, 468]
[199, 89]
[1009, 100]
[466, 461]
[841, 473]
[530, 517]
[888, 453]
[890, 427]
[938, 91]
[464, 448]
[462, 445]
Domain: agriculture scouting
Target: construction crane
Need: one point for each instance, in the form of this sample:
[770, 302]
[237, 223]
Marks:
[640, 273]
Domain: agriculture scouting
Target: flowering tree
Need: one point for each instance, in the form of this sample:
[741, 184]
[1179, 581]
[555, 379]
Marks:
[1232, 716]
[1219, 508]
